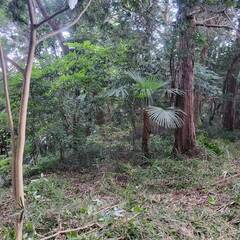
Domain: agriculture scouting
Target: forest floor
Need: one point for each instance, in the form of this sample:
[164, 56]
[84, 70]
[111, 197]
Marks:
[166, 199]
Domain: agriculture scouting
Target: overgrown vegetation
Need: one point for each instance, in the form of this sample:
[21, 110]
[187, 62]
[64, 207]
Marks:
[119, 119]
[167, 198]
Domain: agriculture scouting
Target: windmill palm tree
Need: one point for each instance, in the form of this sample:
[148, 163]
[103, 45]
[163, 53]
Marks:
[144, 89]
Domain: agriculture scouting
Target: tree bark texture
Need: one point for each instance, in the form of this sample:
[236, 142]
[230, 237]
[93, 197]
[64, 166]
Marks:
[185, 139]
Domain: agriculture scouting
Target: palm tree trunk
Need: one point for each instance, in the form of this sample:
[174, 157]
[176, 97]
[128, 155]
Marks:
[146, 134]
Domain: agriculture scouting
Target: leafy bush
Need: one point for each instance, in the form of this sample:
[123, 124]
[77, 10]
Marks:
[4, 165]
[45, 188]
[161, 145]
[216, 132]
[210, 145]
[46, 164]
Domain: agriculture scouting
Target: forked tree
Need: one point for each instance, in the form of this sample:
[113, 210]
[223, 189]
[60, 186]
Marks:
[18, 140]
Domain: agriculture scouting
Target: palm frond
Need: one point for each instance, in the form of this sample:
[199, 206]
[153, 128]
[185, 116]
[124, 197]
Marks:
[170, 118]
[136, 76]
[144, 86]
[175, 91]
[118, 92]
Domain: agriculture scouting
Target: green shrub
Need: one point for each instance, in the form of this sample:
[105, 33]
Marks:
[46, 164]
[210, 145]
[45, 188]
[4, 165]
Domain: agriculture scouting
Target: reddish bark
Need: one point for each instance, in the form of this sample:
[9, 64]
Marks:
[185, 139]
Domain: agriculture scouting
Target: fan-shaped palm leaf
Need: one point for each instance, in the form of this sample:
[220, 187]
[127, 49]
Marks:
[175, 91]
[145, 87]
[118, 92]
[170, 118]
[136, 76]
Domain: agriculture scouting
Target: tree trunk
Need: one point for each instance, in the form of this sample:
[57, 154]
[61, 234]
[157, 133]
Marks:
[196, 105]
[230, 93]
[230, 89]
[185, 139]
[146, 134]
[213, 110]
[22, 124]
[197, 95]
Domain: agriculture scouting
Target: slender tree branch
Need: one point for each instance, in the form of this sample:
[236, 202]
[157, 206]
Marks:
[19, 68]
[208, 19]
[233, 25]
[31, 12]
[70, 24]
[51, 17]
[213, 25]
[54, 25]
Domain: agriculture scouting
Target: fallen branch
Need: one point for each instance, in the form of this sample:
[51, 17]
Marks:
[225, 181]
[84, 228]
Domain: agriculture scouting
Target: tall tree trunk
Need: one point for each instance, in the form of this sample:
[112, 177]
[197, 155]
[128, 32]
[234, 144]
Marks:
[197, 94]
[230, 94]
[185, 139]
[213, 110]
[196, 105]
[230, 88]
[22, 123]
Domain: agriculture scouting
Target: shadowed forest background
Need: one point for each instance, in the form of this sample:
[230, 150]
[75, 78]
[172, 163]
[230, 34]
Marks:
[119, 119]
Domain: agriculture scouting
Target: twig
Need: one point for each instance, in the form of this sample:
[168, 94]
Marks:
[225, 206]
[106, 208]
[51, 17]
[131, 218]
[84, 228]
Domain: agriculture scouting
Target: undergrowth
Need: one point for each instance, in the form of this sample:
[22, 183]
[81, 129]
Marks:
[166, 199]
